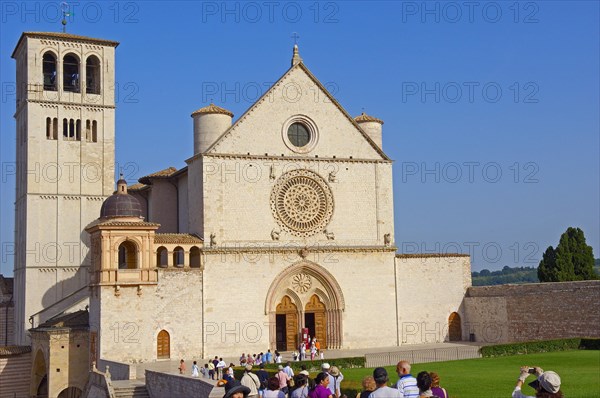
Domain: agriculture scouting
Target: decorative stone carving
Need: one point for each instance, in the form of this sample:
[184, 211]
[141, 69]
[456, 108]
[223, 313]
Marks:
[213, 239]
[387, 239]
[329, 235]
[275, 234]
[302, 203]
[303, 252]
[332, 176]
[301, 283]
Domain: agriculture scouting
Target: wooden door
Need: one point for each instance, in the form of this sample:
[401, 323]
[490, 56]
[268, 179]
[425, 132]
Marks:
[454, 328]
[288, 308]
[280, 335]
[163, 345]
[317, 307]
[291, 330]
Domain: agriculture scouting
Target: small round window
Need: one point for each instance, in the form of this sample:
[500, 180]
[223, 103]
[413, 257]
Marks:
[298, 135]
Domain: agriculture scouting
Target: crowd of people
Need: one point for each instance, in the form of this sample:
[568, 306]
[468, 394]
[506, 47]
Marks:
[327, 383]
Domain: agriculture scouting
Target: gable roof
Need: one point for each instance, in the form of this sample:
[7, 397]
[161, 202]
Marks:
[300, 65]
[73, 320]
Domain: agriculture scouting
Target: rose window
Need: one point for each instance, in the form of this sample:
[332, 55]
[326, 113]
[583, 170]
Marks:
[302, 202]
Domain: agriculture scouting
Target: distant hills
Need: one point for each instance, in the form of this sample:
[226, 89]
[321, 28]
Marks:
[512, 275]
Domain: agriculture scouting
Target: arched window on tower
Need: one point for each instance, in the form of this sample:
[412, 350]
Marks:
[88, 130]
[78, 130]
[94, 131]
[49, 71]
[71, 73]
[128, 257]
[65, 129]
[48, 128]
[55, 128]
[92, 75]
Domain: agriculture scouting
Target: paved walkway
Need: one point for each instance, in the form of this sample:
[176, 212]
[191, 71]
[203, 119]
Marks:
[217, 392]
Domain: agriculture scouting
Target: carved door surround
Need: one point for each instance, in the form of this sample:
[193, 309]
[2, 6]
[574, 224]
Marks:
[306, 287]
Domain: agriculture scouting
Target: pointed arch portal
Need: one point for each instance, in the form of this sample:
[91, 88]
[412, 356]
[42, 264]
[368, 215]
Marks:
[305, 295]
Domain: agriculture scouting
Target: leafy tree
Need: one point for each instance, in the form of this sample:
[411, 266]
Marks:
[572, 260]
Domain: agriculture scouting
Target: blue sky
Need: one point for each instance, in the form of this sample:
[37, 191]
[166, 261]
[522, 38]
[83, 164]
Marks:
[491, 109]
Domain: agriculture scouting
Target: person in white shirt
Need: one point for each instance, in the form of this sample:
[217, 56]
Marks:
[383, 391]
[220, 366]
[251, 381]
[547, 384]
[288, 370]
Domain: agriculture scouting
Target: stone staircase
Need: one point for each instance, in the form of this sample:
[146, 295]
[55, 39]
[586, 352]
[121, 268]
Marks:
[132, 392]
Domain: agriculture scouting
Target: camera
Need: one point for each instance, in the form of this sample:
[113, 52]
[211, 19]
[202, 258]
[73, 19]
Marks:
[531, 371]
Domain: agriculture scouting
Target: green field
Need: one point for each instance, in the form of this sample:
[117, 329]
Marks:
[496, 377]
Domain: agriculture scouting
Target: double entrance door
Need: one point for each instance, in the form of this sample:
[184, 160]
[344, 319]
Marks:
[288, 325]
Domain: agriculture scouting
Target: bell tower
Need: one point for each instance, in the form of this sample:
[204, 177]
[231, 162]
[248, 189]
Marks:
[65, 119]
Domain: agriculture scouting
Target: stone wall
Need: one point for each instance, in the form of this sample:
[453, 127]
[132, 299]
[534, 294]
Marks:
[15, 371]
[175, 386]
[130, 321]
[97, 386]
[536, 311]
[430, 287]
[118, 370]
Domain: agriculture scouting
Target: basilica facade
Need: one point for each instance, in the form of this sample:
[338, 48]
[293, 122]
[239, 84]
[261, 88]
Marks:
[281, 222]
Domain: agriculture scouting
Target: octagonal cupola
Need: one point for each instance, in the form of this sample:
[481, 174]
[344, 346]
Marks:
[121, 205]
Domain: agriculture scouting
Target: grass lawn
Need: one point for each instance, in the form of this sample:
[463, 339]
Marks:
[496, 377]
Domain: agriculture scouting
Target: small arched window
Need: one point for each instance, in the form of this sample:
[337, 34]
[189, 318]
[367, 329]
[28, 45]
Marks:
[49, 128]
[178, 255]
[94, 131]
[128, 257]
[92, 75]
[49, 71]
[71, 73]
[194, 257]
[162, 257]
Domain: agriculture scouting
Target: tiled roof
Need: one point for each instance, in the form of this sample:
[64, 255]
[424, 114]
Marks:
[363, 117]
[165, 173]
[11, 350]
[425, 255]
[212, 108]
[176, 238]
[65, 36]
[75, 319]
[114, 223]
[137, 187]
